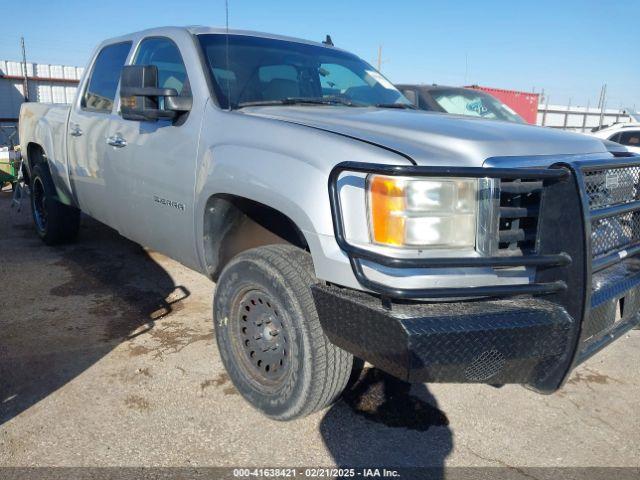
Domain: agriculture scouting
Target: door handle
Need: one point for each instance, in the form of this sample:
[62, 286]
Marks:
[74, 130]
[116, 141]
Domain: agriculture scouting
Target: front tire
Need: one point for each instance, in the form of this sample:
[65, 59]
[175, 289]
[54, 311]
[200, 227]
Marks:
[269, 334]
[55, 222]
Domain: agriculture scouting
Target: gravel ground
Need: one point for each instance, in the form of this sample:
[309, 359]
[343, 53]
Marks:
[107, 358]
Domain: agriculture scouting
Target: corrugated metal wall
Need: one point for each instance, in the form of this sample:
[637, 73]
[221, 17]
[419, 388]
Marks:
[47, 84]
[40, 70]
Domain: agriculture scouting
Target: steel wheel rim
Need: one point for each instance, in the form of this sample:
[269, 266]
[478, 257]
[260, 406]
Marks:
[39, 207]
[261, 339]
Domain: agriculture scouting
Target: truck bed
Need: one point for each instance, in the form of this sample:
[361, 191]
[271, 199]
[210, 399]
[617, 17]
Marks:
[46, 125]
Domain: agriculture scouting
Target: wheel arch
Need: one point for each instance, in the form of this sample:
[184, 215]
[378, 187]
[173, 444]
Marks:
[233, 224]
[35, 154]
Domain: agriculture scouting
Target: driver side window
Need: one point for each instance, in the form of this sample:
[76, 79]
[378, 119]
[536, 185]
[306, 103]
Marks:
[164, 54]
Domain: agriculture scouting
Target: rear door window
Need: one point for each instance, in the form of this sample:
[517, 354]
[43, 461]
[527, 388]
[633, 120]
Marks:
[103, 83]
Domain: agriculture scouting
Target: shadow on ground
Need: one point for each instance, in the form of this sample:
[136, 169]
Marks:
[84, 300]
[384, 422]
[106, 290]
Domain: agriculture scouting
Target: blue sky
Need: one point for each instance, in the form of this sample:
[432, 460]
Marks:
[569, 48]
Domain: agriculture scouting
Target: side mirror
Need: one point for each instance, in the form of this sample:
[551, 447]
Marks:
[141, 99]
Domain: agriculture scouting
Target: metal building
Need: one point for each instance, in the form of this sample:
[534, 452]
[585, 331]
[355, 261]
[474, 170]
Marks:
[46, 84]
[580, 119]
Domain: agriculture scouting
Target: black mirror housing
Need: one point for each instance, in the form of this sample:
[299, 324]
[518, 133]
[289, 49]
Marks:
[141, 99]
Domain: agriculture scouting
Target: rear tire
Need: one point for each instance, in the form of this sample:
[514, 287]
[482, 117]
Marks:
[269, 334]
[55, 222]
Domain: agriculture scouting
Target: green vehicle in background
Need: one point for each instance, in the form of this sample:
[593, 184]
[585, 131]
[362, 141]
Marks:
[10, 158]
[9, 166]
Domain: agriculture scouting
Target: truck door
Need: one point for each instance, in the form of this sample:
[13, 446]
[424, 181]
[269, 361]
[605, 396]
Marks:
[156, 163]
[91, 176]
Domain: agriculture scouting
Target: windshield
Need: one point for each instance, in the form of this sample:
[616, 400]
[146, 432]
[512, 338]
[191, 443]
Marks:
[474, 103]
[259, 71]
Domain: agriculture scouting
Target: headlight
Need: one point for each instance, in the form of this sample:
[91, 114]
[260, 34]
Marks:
[422, 213]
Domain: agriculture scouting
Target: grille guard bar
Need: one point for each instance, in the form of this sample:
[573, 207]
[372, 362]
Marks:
[357, 254]
[597, 213]
[564, 228]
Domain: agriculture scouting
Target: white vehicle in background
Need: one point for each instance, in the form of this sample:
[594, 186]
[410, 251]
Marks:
[627, 134]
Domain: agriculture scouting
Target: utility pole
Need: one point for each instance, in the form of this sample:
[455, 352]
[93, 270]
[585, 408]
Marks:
[379, 57]
[586, 114]
[566, 116]
[466, 68]
[603, 102]
[25, 81]
[600, 99]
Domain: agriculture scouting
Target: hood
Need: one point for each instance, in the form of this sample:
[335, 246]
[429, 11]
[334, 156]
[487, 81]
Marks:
[614, 147]
[432, 138]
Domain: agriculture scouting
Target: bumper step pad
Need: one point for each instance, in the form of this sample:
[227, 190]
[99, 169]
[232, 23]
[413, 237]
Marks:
[489, 341]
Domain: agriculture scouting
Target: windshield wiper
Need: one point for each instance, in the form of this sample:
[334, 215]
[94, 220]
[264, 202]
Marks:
[404, 106]
[328, 100]
[300, 101]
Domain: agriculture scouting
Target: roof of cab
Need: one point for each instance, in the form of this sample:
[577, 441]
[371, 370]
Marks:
[199, 30]
[606, 129]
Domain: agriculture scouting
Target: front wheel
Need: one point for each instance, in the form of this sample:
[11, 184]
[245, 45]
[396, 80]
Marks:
[269, 334]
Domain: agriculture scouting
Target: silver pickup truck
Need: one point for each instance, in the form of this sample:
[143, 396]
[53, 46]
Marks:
[340, 224]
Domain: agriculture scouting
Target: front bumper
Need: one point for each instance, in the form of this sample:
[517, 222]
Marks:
[525, 338]
[499, 341]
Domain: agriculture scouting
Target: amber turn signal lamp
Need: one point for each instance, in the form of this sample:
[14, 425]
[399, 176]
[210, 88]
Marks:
[386, 207]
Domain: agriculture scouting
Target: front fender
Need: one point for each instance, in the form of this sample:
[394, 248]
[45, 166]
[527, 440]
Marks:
[268, 178]
[284, 166]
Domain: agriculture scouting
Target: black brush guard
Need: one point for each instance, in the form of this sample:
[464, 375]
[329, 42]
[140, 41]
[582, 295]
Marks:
[533, 334]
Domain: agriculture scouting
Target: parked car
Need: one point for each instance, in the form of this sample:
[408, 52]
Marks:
[627, 134]
[339, 223]
[459, 101]
[474, 103]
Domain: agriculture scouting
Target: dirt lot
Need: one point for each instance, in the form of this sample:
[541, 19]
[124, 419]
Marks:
[107, 358]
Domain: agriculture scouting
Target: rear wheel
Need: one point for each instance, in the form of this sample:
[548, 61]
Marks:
[269, 334]
[55, 222]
